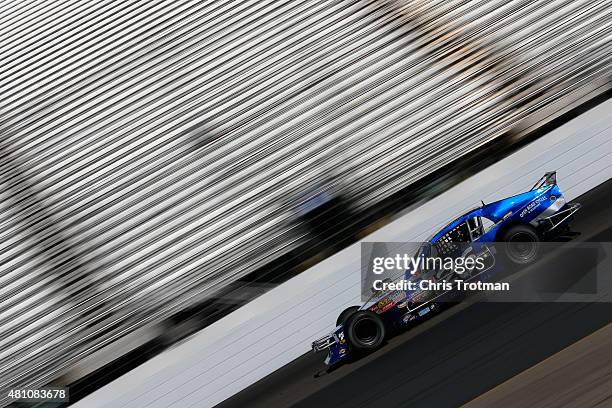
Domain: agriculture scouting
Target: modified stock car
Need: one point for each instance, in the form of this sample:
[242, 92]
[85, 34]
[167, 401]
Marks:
[522, 221]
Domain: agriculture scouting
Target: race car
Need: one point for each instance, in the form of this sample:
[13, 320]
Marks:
[520, 222]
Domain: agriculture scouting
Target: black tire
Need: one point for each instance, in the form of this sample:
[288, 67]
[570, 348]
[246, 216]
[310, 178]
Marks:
[346, 313]
[365, 331]
[522, 244]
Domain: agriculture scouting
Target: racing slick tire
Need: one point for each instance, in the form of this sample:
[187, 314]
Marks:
[346, 313]
[365, 331]
[522, 244]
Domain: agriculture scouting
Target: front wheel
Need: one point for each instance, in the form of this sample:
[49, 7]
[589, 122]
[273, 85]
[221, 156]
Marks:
[522, 244]
[365, 331]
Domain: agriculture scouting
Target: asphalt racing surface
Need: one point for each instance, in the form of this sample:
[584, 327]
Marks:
[578, 376]
[452, 358]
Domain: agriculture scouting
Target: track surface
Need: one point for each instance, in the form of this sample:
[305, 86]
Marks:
[579, 376]
[452, 358]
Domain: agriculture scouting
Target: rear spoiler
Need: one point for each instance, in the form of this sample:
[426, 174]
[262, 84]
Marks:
[548, 179]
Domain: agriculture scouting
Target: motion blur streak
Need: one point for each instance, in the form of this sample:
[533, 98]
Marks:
[153, 152]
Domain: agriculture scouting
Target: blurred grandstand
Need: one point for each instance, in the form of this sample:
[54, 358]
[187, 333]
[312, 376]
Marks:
[165, 162]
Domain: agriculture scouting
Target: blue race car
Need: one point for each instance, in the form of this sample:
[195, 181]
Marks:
[521, 222]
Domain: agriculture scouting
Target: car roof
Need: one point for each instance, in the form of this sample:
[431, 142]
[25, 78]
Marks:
[494, 211]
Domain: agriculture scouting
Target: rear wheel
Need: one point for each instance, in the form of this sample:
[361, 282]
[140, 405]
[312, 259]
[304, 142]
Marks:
[522, 244]
[365, 331]
[346, 313]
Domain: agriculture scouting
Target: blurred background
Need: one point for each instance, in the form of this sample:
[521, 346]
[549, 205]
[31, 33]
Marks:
[164, 162]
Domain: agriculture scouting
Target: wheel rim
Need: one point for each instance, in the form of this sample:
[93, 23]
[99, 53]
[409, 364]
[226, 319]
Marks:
[522, 245]
[366, 331]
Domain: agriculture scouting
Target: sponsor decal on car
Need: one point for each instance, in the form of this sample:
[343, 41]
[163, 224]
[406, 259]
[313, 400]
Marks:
[424, 311]
[532, 206]
[382, 305]
[421, 295]
[408, 318]
[398, 296]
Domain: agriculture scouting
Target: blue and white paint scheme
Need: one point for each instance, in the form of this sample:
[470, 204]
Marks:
[543, 207]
